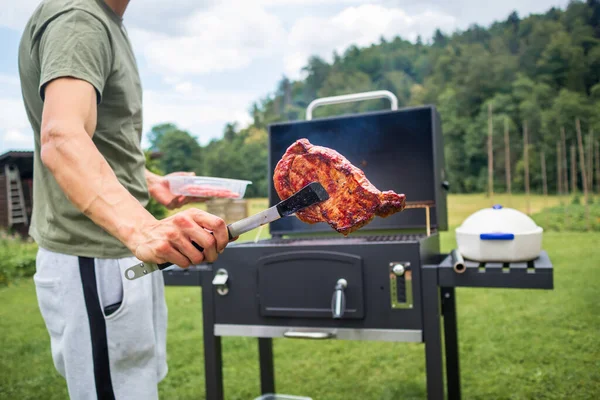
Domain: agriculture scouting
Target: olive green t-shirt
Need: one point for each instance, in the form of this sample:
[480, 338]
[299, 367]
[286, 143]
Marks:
[84, 39]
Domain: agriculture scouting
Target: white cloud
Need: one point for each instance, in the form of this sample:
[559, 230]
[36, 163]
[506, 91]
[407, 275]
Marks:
[171, 80]
[13, 114]
[234, 34]
[15, 130]
[163, 17]
[15, 14]
[224, 38]
[287, 3]
[18, 139]
[184, 87]
[306, 2]
[11, 80]
[361, 25]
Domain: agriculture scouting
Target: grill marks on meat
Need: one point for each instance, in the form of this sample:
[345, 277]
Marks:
[353, 200]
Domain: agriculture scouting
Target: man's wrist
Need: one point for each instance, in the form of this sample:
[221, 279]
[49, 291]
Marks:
[151, 177]
[152, 180]
[131, 232]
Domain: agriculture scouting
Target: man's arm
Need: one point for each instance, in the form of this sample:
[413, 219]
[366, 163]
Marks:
[68, 124]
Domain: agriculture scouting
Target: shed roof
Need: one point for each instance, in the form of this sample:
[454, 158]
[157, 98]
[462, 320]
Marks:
[22, 159]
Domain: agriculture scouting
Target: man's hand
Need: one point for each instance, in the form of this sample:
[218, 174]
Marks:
[171, 239]
[159, 189]
[68, 124]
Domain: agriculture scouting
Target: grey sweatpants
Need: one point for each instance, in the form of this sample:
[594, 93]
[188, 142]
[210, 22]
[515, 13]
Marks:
[119, 356]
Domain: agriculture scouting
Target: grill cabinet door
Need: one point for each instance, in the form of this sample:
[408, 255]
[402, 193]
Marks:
[301, 284]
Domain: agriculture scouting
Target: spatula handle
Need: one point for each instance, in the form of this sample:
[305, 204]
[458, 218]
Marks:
[197, 246]
[168, 264]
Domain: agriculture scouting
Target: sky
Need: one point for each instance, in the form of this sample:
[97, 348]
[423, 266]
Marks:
[203, 63]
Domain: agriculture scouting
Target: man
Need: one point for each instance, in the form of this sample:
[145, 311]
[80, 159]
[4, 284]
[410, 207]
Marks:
[83, 97]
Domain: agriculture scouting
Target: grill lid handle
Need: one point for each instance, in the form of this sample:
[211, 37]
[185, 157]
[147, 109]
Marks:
[347, 98]
[338, 302]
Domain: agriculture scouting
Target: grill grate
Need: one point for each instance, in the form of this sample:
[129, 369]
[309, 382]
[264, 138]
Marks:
[396, 238]
[316, 240]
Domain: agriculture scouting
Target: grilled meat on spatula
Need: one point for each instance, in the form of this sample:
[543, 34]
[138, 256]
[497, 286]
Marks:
[353, 200]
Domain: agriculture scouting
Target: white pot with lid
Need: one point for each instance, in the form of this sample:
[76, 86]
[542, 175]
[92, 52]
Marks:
[499, 234]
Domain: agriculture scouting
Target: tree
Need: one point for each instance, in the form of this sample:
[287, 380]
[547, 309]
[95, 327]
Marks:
[158, 132]
[594, 18]
[285, 91]
[257, 115]
[566, 107]
[561, 64]
[229, 132]
[439, 40]
[512, 33]
[317, 70]
[513, 21]
[179, 152]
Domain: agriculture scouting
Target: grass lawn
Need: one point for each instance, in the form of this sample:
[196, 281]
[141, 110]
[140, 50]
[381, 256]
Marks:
[514, 344]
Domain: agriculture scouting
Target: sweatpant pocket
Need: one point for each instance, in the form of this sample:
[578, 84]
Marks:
[131, 340]
[50, 303]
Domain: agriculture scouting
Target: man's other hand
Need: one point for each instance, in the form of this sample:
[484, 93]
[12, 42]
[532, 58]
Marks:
[159, 189]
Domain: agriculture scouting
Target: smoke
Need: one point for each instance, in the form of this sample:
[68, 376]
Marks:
[394, 149]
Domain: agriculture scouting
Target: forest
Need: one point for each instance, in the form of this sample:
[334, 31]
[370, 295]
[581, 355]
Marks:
[538, 74]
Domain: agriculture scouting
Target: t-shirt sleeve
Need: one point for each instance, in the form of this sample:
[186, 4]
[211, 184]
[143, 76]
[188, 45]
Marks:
[76, 44]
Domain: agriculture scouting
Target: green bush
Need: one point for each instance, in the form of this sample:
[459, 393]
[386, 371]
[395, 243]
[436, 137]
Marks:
[571, 217]
[154, 207]
[17, 258]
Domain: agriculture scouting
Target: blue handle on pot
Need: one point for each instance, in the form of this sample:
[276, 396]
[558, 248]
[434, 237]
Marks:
[497, 236]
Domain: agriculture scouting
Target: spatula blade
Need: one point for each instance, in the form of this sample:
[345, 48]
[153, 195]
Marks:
[309, 195]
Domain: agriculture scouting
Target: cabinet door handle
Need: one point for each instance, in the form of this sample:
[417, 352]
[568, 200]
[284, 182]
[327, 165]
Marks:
[308, 335]
[338, 301]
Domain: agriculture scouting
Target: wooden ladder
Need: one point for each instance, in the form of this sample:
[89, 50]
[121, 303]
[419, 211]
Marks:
[17, 213]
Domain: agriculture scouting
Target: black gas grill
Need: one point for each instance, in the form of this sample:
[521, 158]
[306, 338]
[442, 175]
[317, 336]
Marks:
[386, 282]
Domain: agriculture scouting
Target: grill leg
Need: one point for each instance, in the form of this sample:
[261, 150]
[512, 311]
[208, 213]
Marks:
[451, 342]
[432, 334]
[267, 374]
[213, 364]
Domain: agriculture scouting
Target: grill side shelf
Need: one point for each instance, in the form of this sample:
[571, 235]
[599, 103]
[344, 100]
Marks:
[536, 274]
[191, 276]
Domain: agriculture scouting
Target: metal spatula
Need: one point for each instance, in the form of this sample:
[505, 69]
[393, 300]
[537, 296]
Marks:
[309, 195]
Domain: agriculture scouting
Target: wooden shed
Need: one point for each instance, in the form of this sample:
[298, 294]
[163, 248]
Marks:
[16, 191]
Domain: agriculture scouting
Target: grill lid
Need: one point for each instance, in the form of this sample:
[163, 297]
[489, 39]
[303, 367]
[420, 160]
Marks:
[398, 150]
